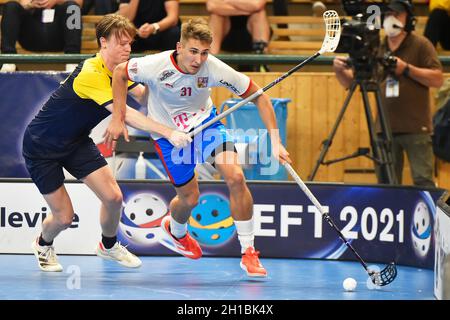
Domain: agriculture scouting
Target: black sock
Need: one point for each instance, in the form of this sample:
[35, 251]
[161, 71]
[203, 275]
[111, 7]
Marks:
[42, 242]
[109, 242]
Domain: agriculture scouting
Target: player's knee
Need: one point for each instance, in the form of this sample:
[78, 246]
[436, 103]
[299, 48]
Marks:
[236, 180]
[191, 200]
[114, 199]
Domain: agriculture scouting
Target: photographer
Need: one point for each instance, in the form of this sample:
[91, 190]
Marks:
[405, 90]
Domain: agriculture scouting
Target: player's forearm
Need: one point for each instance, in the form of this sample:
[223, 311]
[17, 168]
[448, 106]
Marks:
[427, 77]
[137, 120]
[119, 89]
[268, 117]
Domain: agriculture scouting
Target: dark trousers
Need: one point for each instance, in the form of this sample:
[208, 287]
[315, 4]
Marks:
[280, 8]
[418, 147]
[101, 7]
[26, 27]
[165, 40]
[437, 28]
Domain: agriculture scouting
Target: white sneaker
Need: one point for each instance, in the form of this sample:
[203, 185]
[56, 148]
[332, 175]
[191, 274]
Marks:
[8, 67]
[71, 66]
[120, 254]
[46, 257]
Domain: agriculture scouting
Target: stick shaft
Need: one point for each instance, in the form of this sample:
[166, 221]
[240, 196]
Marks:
[325, 215]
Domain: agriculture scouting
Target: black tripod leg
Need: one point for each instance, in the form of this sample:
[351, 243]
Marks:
[327, 142]
[380, 166]
[387, 139]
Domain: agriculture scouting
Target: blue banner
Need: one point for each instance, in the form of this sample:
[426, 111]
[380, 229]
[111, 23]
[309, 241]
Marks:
[23, 94]
[384, 224]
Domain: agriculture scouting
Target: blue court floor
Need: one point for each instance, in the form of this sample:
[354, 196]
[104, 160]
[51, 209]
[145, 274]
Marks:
[178, 278]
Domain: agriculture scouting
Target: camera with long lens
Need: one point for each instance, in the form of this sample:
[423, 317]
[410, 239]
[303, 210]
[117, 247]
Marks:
[360, 38]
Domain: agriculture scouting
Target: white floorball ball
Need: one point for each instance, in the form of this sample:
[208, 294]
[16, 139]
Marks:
[349, 284]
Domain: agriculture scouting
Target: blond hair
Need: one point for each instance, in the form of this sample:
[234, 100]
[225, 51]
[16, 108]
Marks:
[114, 24]
[197, 29]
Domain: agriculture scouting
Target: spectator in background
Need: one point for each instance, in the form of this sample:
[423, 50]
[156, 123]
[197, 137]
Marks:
[405, 94]
[280, 8]
[39, 25]
[437, 29]
[157, 22]
[101, 7]
[238, 25]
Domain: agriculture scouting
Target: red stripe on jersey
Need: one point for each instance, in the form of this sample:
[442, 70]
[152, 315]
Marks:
[175, 63]
[249, 85]
[161, 157]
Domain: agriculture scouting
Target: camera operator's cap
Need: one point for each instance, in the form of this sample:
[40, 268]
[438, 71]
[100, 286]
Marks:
[397, 5]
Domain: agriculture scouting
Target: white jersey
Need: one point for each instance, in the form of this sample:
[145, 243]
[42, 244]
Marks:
[180, 100]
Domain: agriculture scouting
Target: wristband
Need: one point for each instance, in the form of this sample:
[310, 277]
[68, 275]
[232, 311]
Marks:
[155, 28]
[406, 71]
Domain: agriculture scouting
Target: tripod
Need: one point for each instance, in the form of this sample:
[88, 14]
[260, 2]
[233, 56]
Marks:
[381, 144]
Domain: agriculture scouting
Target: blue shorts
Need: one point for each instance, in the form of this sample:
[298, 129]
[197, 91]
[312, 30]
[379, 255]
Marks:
[180, 162]
[46, 165]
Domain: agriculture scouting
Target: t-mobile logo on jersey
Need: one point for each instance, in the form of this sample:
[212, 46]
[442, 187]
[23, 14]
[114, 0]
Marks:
[181, 120]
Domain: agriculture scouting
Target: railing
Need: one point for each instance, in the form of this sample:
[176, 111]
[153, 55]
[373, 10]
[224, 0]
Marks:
[252, 59]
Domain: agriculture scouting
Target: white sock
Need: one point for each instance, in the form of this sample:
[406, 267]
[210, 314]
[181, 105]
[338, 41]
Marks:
[178, 230]
[246, 233]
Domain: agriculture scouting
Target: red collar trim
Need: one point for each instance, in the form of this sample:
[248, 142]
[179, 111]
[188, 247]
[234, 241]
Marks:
[174, 62]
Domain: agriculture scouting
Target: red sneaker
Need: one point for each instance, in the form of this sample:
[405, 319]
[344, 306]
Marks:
[250, 263]
[186, 246]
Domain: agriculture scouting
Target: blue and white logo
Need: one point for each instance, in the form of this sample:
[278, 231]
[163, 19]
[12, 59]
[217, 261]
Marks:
[421, 229]
[211, 222]
[141, 218]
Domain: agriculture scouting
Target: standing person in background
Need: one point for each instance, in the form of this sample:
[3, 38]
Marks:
[157, 22]
[406, 97]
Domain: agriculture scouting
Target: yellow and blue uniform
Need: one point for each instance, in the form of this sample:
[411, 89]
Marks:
[58, 136]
